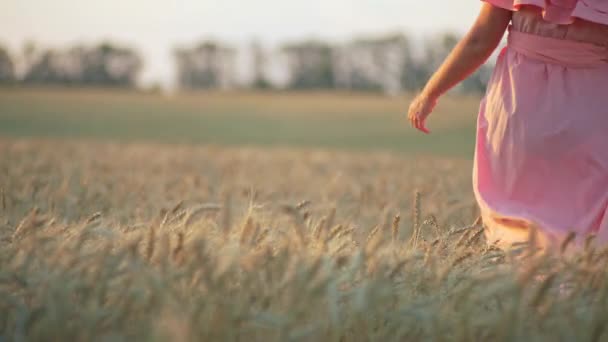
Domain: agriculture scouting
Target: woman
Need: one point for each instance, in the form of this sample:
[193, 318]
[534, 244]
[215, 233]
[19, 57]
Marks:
[541, 158]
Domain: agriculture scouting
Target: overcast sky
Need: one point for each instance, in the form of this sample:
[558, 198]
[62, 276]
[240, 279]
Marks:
[155, 26]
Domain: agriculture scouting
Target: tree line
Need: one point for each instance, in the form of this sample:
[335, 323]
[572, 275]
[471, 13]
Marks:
[389, 64]
[104, 64]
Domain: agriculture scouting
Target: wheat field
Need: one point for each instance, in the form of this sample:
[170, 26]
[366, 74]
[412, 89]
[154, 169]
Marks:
[117, 241]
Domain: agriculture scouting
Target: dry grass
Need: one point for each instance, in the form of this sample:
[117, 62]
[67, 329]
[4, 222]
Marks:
[142, 242]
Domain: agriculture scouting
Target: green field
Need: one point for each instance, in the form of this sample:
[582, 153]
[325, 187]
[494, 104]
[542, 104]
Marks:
[335, 120]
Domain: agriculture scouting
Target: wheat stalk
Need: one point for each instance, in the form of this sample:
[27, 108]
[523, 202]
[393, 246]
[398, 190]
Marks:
[416, 218]
[395, 228]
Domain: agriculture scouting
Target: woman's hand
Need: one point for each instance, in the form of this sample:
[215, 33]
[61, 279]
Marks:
[470, 53]
[420, 109]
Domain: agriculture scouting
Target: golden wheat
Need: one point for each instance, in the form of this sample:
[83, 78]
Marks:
[126, 242]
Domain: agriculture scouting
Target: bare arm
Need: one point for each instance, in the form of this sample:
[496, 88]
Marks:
[468, 55]
[471, 52]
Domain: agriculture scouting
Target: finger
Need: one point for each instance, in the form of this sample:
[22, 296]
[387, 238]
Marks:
[420, 125]
[424, 129]
[417, 122]
[412, 121]
[415, 119]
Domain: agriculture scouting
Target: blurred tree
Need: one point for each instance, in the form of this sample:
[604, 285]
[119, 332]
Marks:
[42, 69]
[30, 51]
[439, 48]
[415, 74]
[373, 64]
[478, 82]
[104, 65]
[310, 65]
[108, 64]
[259, 66]
[384, 63]
[7, 68]
[436, 52]
[205, 66]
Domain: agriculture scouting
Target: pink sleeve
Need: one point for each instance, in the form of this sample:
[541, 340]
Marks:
[506, 4]
[561, 11]
[514, 5]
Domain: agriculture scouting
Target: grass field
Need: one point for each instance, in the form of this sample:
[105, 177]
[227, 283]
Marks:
[345, 121]
[125, 237]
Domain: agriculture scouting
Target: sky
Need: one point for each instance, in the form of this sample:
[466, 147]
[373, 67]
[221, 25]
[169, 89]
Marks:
[155, 27]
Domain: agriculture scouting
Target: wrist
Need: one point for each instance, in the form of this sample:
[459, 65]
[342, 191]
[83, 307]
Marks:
[430, 95]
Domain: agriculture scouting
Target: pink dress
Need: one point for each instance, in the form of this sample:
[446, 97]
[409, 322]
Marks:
[541, 159]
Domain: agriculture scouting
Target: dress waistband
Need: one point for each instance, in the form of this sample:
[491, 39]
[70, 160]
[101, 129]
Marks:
[557, 51]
